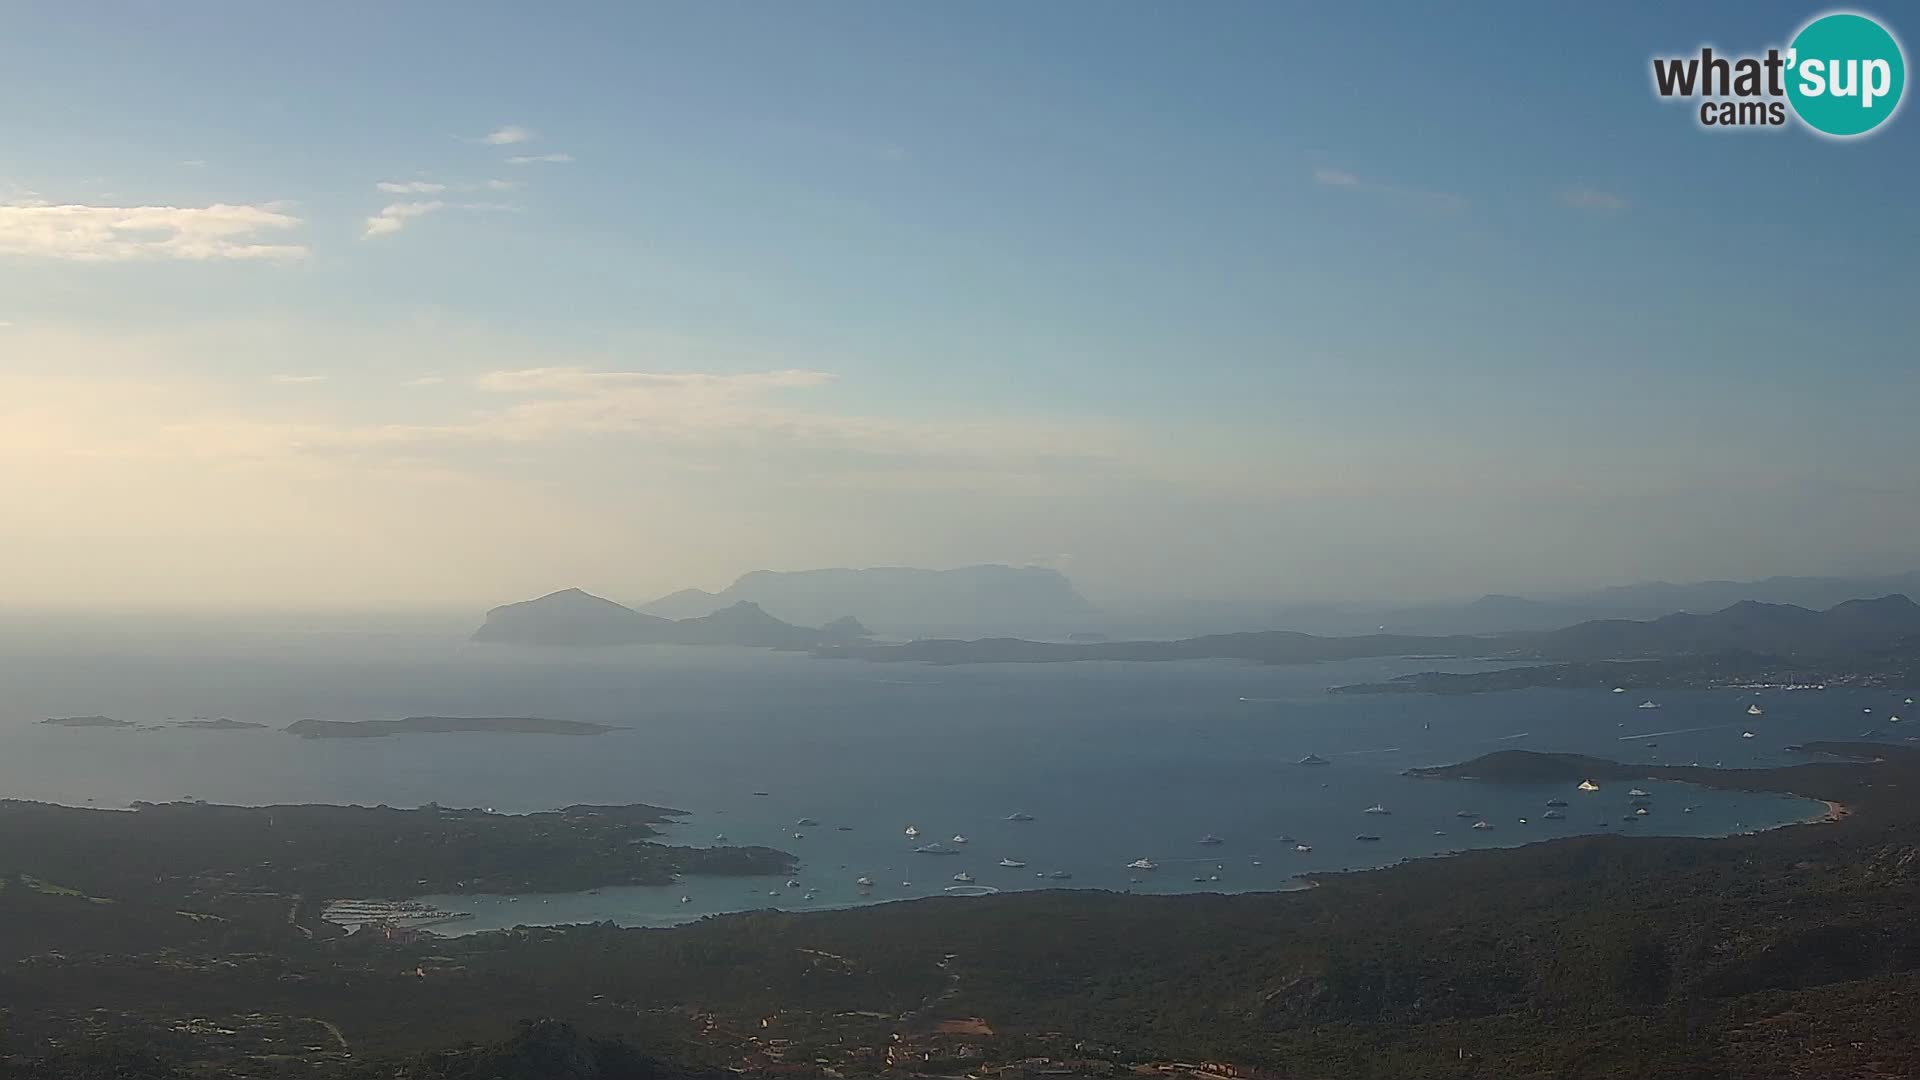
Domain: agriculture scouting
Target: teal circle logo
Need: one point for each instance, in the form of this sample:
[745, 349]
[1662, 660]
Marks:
[1845, 73]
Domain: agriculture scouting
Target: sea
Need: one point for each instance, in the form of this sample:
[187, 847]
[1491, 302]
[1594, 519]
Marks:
[1113, 762]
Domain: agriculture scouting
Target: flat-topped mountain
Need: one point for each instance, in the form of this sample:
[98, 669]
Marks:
[573, 617]
[1031, 599]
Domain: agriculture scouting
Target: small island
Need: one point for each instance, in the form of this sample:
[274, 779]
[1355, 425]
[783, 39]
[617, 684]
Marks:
[442, 725]
[86, 721]
[222, 724]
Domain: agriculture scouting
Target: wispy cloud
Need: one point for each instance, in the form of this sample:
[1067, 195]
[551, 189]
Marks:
[1340, 178]
[395, 216]
[121, 233]
[540, 159]
[296, 380]
[410, 187]
[1587, 198]
[424, 380]
[510, 135]
[5, 323]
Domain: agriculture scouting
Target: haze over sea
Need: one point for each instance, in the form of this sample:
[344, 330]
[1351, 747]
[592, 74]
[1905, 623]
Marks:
[1115, 761]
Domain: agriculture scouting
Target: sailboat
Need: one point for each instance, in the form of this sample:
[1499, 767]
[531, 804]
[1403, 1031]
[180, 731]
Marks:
[912, 832]
[1754, 710]
[1588, 785]
[1648, 704]
[1376, 808]
[1012, 864]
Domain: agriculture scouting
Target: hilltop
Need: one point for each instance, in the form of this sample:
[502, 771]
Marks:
[572, 617]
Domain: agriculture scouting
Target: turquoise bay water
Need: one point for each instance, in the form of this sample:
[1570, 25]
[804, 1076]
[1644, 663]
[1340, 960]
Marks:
[1115, 762]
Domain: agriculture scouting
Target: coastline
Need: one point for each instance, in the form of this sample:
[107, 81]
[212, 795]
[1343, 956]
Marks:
[1835, 813]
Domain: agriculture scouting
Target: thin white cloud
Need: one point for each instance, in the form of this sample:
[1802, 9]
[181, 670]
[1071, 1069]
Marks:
[1587, 198]
[510, 135]
[501, 185]
[1340, 178]
[5, 323]
[296, 380]
[410, 187]
[425, 380]
[541, 159]
[121, 233]
[395, 216]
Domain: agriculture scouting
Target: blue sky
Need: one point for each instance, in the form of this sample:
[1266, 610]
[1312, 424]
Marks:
[1302, 300]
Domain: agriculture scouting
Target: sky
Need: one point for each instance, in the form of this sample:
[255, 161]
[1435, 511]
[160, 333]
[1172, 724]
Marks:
[436, 305]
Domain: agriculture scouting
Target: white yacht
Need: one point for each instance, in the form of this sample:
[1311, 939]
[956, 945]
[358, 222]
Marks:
[1142, 864]
[1303, 847]
[963, 878]
[1019, 815]
[1588, 785]
[959, 839]
[1746, 734]
[1209, 840]
[1376, 808]
[1012, 864]
[864, 882]
[1483, 825]
[1648, 705]
[686, 899]
[912, 832]
[1638, 794]
[1754, 710]
[1619, 689]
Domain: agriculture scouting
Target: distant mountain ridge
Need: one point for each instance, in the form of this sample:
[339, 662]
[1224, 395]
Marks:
[1027, 599]
[1746, 627]
[573, 617]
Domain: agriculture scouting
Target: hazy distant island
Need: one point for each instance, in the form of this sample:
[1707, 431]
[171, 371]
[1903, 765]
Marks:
[441, 725]
[222, 724]
[572, 617]
[86, 721]
[900, 599]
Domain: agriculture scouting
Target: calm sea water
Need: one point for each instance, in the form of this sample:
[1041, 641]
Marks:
[1114, 761]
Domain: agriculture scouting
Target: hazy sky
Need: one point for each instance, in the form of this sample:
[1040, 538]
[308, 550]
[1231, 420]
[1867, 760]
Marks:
[441, 305]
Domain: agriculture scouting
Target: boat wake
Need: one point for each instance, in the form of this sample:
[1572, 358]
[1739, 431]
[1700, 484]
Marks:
[1676, 731]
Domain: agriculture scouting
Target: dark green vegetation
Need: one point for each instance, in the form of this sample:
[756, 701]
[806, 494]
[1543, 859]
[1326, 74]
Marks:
[440, 725]
[189, 854]
[1789, 953]
[572, 617]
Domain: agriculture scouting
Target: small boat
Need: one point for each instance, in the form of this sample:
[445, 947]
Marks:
[1557, 804]
[963, 878]
[1638, 794]
[686, 899]
[719, 838]
[1483, 826]
[1648, 705]
[1143, 864]
[1619, 689]
[959, 839]
[912, 832]
[1588, 785]
[1642, 812]
[1303, 848]
[1012, 864]
[1210, 840]
[1893, 719]
[864, 882]
[1754, 710]
[843, 828]
[1366, 839]
[806, 823]
[1019, 815]
[935, 848]
[1746, 734]
[761, 793]
[1523, 821]
[1376, 808]
[799, 836]
[1314, 759]
[793, 883]
[1554, 815]
[1060, 875]
[1465, 814]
